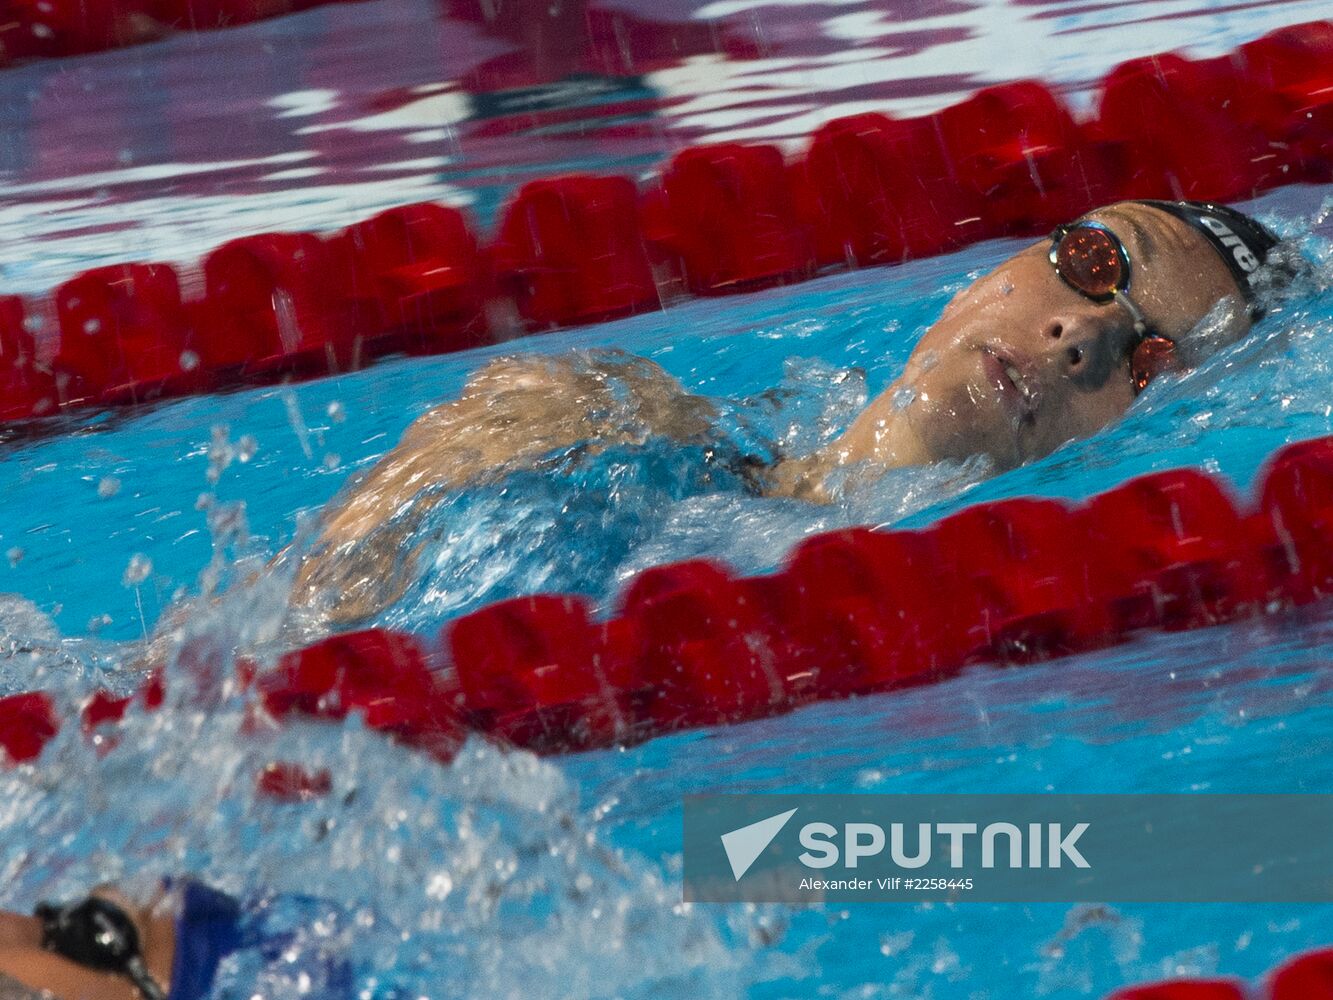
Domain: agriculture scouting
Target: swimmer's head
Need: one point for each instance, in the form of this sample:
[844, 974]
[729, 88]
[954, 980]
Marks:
[1057, 341]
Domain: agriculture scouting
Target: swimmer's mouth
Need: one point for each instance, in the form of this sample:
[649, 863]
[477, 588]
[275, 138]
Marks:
[1011, 380]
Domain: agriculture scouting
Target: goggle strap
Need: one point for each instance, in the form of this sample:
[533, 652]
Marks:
[1141, 328]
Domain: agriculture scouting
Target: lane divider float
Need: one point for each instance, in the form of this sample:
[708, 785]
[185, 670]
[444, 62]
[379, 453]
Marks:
[716, 220]
[850, 612]
[52, 29]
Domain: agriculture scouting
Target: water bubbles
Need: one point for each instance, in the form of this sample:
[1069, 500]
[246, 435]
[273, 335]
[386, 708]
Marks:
[297, 422]
[220, 452]
[439, 886]
[488, 876]
[138, 570]
[895, 944]
[814, 403]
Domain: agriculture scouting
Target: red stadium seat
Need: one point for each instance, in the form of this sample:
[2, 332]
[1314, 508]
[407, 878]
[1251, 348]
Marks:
[571, 251]
[725, 215]
[1172, 552]
[124, 336]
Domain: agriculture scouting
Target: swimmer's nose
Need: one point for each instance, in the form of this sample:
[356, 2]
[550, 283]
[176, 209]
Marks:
[1077, 347]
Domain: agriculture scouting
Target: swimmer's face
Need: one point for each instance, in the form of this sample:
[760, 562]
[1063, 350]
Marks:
[1020, 363]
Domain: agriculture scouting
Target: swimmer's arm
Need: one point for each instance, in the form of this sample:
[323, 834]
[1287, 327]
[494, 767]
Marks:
[882, 437]
[511, 414]
[355, 568]
[18, 931]
[44, 972]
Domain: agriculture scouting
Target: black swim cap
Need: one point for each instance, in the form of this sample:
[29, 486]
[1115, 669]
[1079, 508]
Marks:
[1241, 242]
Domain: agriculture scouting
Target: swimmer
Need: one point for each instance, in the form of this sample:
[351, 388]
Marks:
[106, 947]
[1052, 345]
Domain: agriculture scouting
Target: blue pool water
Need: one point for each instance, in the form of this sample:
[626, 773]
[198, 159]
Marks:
[505, 875]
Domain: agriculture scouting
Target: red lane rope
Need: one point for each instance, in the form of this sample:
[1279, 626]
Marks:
[49, 29]
[718, 219]
[850, 612]
[1306, 977]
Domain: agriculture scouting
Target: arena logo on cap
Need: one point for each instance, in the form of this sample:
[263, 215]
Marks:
[1244, 256]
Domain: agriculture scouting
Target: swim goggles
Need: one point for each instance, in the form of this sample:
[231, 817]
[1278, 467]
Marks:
[97, 934]
[1091, 260]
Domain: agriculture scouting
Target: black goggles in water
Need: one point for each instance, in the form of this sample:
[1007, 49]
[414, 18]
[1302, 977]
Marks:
[1091, 260]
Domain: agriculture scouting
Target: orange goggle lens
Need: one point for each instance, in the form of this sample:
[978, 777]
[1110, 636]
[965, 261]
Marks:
[1091, 261]
[1152, 357]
